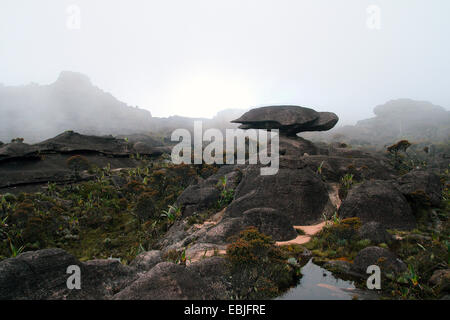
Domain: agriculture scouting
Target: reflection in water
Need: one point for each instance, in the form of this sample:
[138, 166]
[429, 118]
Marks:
[319, 284]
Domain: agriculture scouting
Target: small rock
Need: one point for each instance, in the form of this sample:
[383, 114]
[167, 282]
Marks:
[146, 260]
[441, 279]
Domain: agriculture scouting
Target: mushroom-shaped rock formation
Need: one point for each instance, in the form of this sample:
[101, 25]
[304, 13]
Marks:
[290, 120]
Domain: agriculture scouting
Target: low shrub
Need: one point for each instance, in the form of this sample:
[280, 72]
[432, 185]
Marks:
[258, 268]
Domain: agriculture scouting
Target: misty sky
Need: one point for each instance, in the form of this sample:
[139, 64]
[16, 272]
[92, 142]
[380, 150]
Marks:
[196, 57]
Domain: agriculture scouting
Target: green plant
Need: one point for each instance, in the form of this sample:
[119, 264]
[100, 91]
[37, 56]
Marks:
[107, 169]
[401, 160]
[336, 219]
[3, 222]
[141, 249]
[183, 258]
[222, 182]
[361, 244]
[51, 188]
[15, 251]
[176, 256]
[347, 181]
[171, 214]
[226, 195]
[412, 276]
[338, 239]
[319, 168]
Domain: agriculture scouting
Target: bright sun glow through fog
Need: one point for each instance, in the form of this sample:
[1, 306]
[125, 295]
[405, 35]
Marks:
[203, 95]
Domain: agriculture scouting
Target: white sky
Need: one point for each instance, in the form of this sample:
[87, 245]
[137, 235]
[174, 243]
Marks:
[196, 57]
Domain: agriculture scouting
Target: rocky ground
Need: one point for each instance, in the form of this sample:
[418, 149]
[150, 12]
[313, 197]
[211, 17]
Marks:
[154, 230]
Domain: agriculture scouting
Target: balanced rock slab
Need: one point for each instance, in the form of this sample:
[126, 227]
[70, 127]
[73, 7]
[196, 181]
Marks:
[290, 120]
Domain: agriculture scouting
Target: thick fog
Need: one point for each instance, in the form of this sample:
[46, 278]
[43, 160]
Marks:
[197, 57]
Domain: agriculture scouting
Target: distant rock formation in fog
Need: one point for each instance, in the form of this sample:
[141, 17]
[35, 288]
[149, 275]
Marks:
[417, 121]
[221, 121]
[72, 102]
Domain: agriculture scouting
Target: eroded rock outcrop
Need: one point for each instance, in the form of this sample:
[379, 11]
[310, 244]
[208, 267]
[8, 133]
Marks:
[361, 166]
[42, 274]
[169, 281]
[378, 201]
[23, 165]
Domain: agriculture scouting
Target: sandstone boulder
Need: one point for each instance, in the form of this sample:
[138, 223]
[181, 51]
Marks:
[422, 186]
[299, 194]
[378, 201]
[270, 222]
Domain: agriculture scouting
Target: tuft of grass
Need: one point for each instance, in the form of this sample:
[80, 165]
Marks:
[226, 194]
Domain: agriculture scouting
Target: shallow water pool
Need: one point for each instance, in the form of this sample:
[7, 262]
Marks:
[318, 283]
